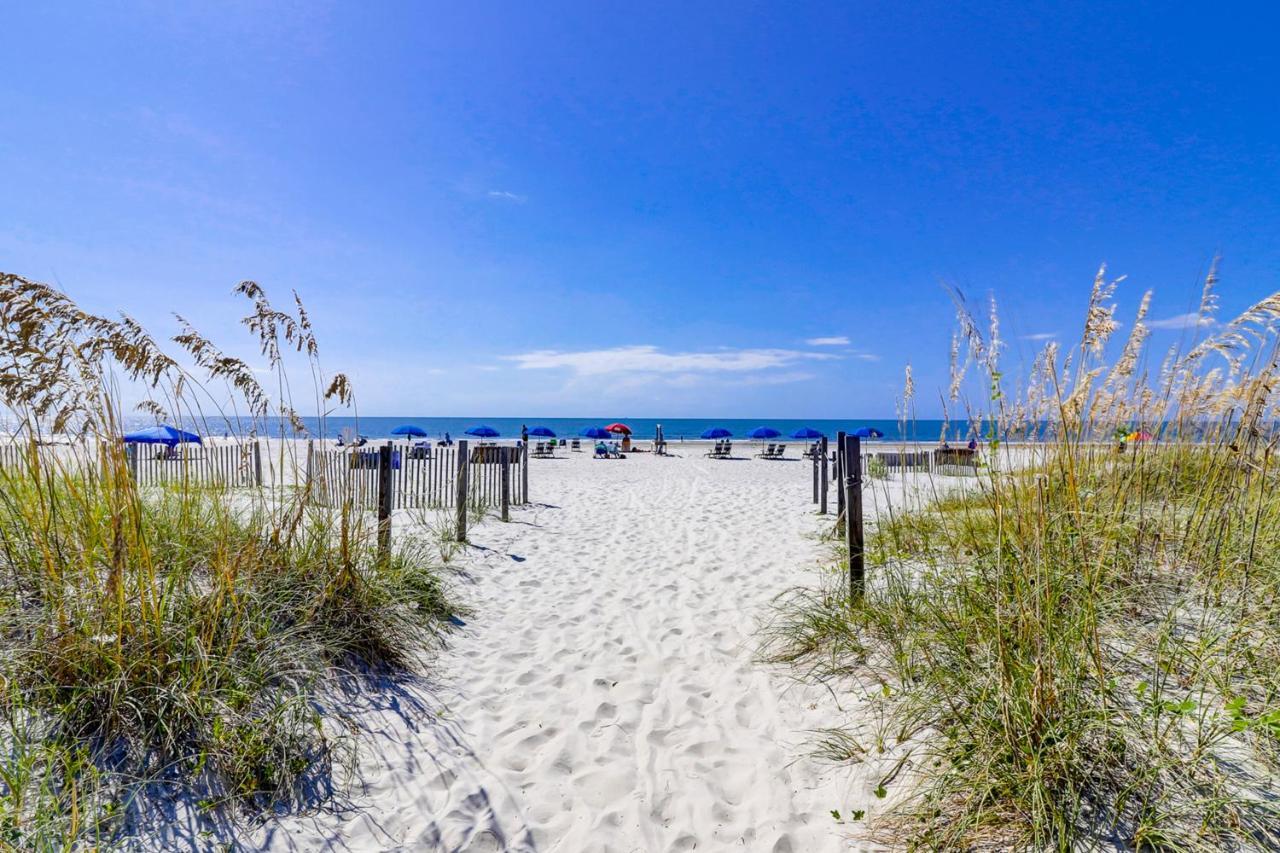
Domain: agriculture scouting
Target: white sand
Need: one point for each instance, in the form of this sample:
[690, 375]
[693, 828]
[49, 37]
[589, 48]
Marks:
[606, 694]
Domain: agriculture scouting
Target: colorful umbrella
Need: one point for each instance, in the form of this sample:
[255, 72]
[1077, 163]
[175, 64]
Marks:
[544, 432]
[410, 430]
[763, 432]
[716, 432]
[163, 434]
[868, 432]
[483, 431]
[617, 427]
[808, 432]
[594, 432]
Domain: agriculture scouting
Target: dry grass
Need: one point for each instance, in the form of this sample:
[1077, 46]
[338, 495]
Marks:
[174, 639]
[1082, 649]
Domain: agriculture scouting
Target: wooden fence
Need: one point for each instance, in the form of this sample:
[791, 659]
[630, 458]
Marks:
[418, 480]
[949, 462]
[898, 462]
[11, 455]
[227, 466]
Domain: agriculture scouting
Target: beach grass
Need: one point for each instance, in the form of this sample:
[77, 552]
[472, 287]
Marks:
[1080, 647]
[185, 642]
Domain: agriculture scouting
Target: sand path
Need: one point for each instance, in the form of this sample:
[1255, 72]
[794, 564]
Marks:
[605, 695]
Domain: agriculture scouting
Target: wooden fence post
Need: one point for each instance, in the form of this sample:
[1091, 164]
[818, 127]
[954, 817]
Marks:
[311, 450]
[506, 484]
[384, 500]
[822, 465]
[524, 472]
[840, 472]
[461, 477]
[817, 487]
[257, 462]
[853, 515]
[131, 454]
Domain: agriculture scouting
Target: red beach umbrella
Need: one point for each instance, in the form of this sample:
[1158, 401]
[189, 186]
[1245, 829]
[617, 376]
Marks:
[617, 427]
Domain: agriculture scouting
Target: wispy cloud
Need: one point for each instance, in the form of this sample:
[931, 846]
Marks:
[831, 341]
[1182, 321]
[503, 195]
[1040, 336]
[651, 359]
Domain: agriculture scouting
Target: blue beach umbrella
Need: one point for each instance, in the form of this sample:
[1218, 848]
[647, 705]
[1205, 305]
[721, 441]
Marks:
[716, 432]
[594, 432]
[868, 432]
[410, 430]
[544, 432]
[163, 434]
[483, 431]
[763, 432]
[808, 432]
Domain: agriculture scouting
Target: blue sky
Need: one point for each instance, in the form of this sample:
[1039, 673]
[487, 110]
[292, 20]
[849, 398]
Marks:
[641, 209]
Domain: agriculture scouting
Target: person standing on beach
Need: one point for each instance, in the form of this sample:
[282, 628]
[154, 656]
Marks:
[524, 434]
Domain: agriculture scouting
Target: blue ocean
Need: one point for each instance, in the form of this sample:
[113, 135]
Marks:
[674, 429]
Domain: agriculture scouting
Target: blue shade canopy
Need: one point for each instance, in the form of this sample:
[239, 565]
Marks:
[716, 432]
[410, 429]
[483, 431]
[763, 432]
[163, 434]
[595, 432]
[544, 432]
[868, 432]
[808, 432]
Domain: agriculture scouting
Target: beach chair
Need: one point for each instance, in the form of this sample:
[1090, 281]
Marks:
[728, 450]
[766, 452]
[715, 452]
[575, 446]
[781, 452]
[420, 451]
[602, 451]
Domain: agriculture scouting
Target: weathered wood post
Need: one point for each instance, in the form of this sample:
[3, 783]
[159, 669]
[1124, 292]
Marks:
[817, 486]
[822, 465]
[463, 489]
[840, 473]
[852, 487]
[524, 471]
[311, 450]
[384, 500]
[257, 462]
[506, 483]
[131, 455]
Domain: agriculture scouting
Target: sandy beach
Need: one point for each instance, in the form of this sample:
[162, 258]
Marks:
[607, 693]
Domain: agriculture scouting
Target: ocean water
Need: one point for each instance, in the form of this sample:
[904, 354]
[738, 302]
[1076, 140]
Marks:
[674, 429]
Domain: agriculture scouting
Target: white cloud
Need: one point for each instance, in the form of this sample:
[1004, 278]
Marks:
[503, 195]
[650, 359]
[1182, 321]
[1040, 336]
[831, 341]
